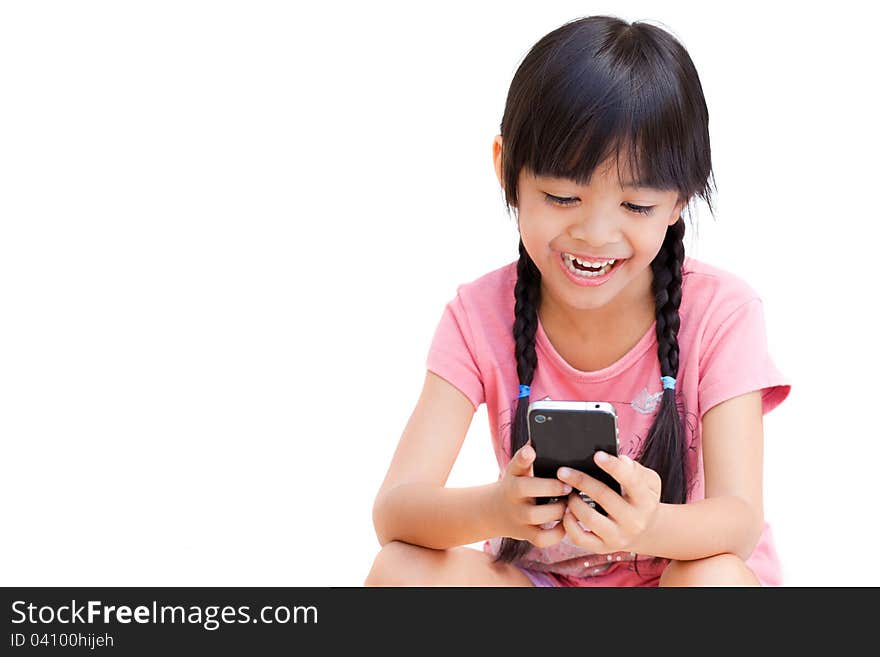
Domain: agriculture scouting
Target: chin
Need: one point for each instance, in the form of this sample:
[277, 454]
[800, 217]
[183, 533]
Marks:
[577, 303]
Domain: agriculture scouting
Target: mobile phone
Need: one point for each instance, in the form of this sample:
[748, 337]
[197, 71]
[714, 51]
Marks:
[569, 433]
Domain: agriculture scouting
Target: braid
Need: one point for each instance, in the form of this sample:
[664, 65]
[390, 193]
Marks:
[527, 293]
[665, 449]
[664, 446]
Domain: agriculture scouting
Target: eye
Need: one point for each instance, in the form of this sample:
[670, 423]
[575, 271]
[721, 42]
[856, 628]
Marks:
[556, 200]
[641, 209]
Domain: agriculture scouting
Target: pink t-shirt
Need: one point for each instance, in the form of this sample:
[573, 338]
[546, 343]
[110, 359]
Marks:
[723, 354]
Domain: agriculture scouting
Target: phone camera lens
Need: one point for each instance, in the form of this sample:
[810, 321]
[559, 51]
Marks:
[539, 419]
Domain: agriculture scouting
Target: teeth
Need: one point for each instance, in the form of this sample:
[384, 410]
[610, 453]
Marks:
[587, 263]
[569, 262]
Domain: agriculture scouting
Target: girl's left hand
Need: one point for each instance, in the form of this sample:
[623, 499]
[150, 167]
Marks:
[629, 516]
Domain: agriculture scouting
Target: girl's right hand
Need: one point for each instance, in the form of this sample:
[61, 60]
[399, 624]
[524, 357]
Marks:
[519, 516]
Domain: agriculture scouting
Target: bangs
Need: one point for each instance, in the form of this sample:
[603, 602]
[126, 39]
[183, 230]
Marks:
[623, 134]
[635, 166]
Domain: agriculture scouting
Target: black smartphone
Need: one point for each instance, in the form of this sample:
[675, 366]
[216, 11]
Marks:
[569, 433]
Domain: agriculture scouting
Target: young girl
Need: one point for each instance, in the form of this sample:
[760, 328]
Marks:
[604, 141]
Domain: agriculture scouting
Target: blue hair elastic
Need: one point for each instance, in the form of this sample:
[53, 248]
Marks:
[523, 390]
[668, 382]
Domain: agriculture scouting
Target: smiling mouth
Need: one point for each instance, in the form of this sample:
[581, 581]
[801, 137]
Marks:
[589, 272]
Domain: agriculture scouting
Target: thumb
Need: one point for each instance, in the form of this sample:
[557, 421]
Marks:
[521, 462]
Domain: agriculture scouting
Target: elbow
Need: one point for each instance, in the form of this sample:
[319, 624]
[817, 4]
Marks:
[755, 528]
[379, 519]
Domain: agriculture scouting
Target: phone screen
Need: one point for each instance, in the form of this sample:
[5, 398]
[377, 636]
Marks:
[571, 438]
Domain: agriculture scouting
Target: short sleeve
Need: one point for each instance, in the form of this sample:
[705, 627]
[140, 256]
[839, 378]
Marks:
[737, 360]
[452, 353]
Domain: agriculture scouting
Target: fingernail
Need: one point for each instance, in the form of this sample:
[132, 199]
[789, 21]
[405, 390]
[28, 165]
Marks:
[566, 489]
[565, 472]
[601, 456]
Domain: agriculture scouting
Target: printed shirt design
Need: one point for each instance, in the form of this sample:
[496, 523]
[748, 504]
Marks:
[645, 402]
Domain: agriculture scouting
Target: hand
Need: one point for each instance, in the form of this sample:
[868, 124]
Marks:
[515, 507]
[629, 516]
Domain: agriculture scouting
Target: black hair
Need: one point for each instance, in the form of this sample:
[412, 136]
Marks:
[588, 91]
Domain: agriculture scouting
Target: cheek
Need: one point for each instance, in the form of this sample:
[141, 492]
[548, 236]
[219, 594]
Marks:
[538, 250]
[647, 243]
[536, 235]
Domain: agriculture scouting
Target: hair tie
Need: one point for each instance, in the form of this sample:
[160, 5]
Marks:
[523, 390]
[668, 382]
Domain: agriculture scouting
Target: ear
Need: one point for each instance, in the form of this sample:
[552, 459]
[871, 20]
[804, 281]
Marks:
[676, 212]
[496, 158]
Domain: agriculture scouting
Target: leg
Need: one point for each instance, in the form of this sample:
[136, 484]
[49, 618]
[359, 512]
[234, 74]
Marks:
[403, 564]
[719, 570]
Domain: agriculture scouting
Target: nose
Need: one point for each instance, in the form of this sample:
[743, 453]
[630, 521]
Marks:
[596, 228]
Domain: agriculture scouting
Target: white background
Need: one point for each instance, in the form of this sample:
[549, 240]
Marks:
[229, 229]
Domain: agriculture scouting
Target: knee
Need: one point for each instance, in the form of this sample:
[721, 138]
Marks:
[718, 570]
[398, 564]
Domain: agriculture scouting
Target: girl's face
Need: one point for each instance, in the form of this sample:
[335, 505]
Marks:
[600, 221]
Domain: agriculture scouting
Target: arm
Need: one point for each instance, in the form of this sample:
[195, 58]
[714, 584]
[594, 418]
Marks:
[731, 517]
[412, 504]
[702, 529]
[436, 517]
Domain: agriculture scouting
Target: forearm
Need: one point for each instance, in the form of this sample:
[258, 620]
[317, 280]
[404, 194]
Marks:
[703, 529]
[435, 516]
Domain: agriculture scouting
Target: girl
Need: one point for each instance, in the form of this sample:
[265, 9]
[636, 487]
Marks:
[604, 141]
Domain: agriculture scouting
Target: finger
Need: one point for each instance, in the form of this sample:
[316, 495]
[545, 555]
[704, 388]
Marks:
[603, 526]
[521, 463]
[613, 503]
[627, 472]
[545, 487]
[579, 536]
[547, 537]
[538, 514]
